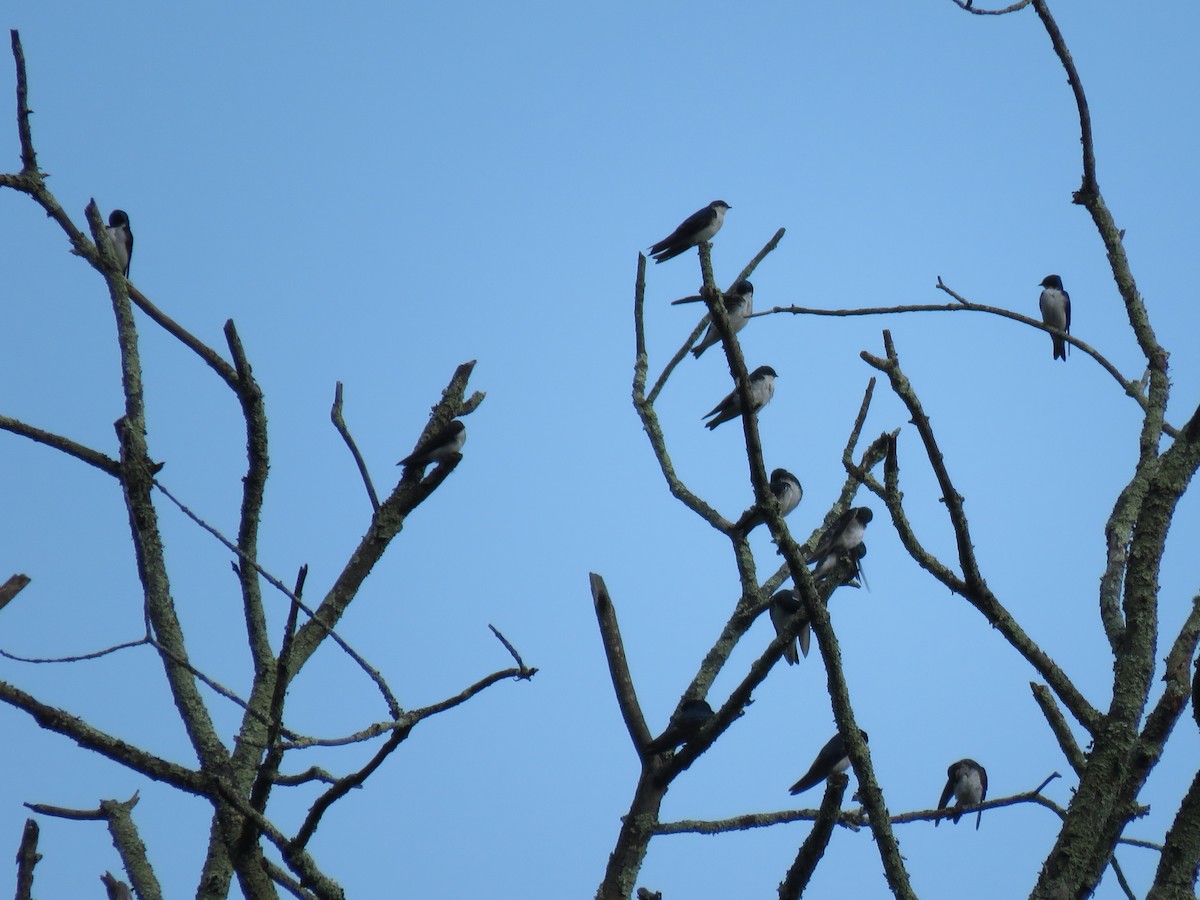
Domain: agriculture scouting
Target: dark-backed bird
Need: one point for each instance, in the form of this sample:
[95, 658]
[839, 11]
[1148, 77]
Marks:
[966, 781]
[1055, 304]
[842, 537]
[697, 228]
[785, 609]
[685, 722]
[831, 759]
[786, 489]
[122, 238]
[440, 445]
[739, 304]
[762, 389]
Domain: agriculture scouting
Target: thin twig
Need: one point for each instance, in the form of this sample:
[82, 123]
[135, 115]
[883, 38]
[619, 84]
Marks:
[372, 673]
[513, 652]
[335, 415]
[72, 659]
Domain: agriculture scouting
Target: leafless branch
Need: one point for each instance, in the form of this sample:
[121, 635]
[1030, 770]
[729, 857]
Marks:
[66, 445]
[71, 659]
[512, 652]
[11, 588]
[27, 857]
[813, 848]
[339, 422]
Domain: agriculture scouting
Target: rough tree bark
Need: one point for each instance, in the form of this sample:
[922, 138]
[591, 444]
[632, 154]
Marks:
[1127, 738]
[236, 774]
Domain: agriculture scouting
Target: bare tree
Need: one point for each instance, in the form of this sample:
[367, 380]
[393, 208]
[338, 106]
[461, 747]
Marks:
[1126, 739]
[236, 774]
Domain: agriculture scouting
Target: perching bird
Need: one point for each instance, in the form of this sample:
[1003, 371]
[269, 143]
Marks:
[122, 239]
[697, 228]
[831, 759]
[1055, 304]
[438, 446]
[762, 389]
[856, 557]
[787, 491]
[684, 724]
[967, 781]
[785, 609]
[840, 539]
[739, 304]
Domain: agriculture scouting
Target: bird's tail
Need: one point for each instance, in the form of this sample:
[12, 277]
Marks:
[1060, 348]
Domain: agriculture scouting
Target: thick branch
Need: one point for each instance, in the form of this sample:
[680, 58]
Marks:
[11, 588]
[90, 738]
[27, 855]
[813, 848]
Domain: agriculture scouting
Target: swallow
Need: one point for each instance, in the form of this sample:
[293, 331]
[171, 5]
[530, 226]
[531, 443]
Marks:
[831, 759]
[697, 228]
[786, 489]
[785, 609]
[439, 446]
[842, 538]
[122, 238]
[739, 304]
[967, 781]
[1055, 304]
[762, 389]
[856, 570]
[685, 722]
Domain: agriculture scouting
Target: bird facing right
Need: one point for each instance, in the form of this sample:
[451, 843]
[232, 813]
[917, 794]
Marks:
[831, 759]
[1055, 304]
[786, 489]
[441, 445]
[697, 228]
[739, 304]
[762, 389]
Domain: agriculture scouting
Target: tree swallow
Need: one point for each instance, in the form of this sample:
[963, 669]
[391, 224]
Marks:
[840, 539]
[1055, 304]
[785, 609]
[831, 759]
[122, 238]
[739, 303]
[696, 229]
[684, 724]
[438, 446]
[786, 488]
[967, 781]
[762, 389]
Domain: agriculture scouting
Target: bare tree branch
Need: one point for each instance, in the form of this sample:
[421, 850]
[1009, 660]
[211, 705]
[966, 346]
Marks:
[11, 588]
[27, 855]
[339, 422]
[813, 848]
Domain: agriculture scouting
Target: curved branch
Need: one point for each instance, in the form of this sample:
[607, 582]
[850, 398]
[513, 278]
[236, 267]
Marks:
[104, 463]
[1131, 388]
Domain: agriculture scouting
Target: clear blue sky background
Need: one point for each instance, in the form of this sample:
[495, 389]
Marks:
[378, 193]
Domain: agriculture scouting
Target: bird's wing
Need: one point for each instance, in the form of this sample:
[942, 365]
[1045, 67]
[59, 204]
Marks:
[832, 533]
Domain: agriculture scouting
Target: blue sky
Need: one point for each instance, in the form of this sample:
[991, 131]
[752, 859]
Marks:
[377, 195]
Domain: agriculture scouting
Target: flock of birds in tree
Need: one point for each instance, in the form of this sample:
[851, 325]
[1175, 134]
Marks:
[966, 780]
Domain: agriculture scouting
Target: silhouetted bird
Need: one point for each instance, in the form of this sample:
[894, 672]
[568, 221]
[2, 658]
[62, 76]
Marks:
[762, 389]
[697, 228]
[684, 724]
[122, 238]
[438, 446]
[1055, 304]
[966, 780]
[831, 759]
